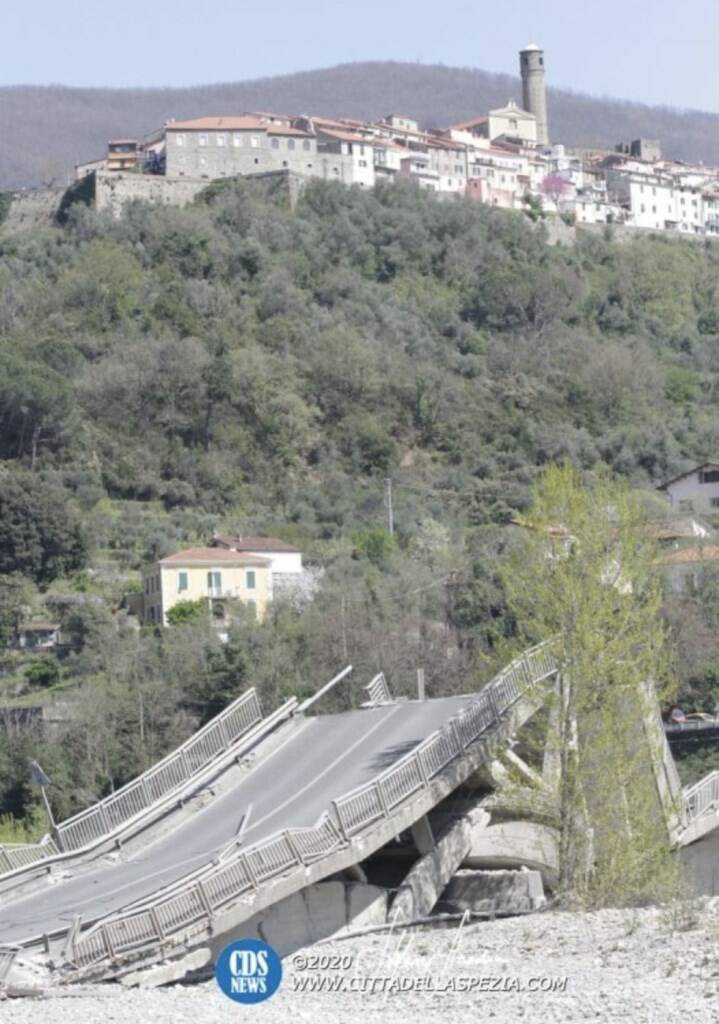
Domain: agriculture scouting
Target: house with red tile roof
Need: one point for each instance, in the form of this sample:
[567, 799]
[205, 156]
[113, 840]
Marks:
[224, 147]
[221, 577]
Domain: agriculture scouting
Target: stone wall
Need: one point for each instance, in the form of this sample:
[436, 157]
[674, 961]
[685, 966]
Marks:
[32, 209]
[113, 191]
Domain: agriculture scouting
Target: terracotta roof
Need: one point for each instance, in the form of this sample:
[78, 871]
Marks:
[464, 126]
[705, 553]
[247, 122]
[212, 556]
[346, 136]
[341, 124]
[227, 124]
[256, 543]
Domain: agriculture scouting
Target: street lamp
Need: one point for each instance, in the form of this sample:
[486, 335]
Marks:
[39, 778]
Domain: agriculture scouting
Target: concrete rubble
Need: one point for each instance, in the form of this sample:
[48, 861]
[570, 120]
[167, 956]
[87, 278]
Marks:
[494, 892]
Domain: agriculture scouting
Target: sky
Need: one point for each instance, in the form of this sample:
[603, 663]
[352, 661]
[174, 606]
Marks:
[653, 51]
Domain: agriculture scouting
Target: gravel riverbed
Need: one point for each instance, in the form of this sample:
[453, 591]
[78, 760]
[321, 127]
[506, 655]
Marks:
[652, 966]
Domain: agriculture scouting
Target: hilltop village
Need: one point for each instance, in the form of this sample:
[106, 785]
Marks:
[504, 158]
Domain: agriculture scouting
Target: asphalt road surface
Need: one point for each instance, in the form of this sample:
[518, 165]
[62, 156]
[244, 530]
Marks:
[319, 760]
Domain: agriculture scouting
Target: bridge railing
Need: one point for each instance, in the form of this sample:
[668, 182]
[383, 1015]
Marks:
[18, 855]
[167, 775]
[7, 958]
[248, 869]
[702, 797]
[376, 799]
[377, 690]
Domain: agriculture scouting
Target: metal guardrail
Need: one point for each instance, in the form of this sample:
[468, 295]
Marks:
[377, 690]
[18, 855]
[158, 782]
[7, 958]
[248, 869]
[692, 725]
[373, 800]
[702, 797]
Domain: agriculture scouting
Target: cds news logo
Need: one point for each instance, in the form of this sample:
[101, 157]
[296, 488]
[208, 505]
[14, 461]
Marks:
[248, 971]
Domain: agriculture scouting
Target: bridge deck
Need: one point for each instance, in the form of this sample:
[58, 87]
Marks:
[320, 759]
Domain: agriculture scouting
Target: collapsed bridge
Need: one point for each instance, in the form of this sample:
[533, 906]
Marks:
[248, 812]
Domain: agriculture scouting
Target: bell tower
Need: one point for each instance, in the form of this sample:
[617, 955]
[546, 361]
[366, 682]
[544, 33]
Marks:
[534, 94]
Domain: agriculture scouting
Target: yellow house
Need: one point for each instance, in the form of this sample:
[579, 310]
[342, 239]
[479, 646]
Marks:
[218, 576]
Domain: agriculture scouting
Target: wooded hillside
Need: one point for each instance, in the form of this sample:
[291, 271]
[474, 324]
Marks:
[241, 366]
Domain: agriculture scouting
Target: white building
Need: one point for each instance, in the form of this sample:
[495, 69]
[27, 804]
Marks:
[288, 577]
[711, 212]
[283, 557]
[689, 210]
[356, 149]
[418, 167]
[39, 636]
[697, 490]
[388, 158]
[649, 198]
[568, 167]
[512, 122]
[592, 207]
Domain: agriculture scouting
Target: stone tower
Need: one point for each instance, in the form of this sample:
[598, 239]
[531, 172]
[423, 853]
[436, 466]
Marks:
[534, 98]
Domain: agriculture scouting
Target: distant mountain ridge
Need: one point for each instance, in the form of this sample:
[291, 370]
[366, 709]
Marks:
[46, 130]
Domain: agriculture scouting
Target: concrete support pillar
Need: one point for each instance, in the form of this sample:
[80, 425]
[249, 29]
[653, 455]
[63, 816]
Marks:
[422, 835]
[427, 879]
[528, 774]
[356, 872]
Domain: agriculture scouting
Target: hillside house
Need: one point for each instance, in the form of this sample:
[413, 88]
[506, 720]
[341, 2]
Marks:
[217, 575]
[37, 636]
[686, 568]
[283, 557]
[697, 490]
[122, 154]
[355, 153]
[285, 561]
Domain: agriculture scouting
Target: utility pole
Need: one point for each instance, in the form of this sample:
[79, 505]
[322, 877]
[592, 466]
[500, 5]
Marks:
[343, 607]
[420, 684]
[390, 510]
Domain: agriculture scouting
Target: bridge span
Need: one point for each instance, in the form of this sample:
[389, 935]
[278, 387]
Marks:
[308, 763]
[322, 793]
